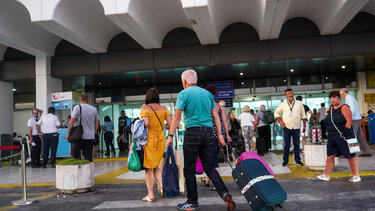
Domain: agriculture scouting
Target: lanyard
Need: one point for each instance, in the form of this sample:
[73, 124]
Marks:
[291, 108]
[35, 119]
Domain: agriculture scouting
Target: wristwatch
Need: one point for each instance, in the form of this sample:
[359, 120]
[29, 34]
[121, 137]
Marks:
[171, 135]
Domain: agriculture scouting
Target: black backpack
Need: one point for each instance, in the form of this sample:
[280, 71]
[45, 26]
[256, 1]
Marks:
[268, 117]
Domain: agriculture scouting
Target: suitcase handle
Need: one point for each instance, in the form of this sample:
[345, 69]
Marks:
[229, 145]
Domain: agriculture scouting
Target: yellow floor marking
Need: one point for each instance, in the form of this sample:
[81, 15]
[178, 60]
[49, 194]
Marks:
[110, 177]
[305, 172]
[7, 208]
[40, 198]
[109, 159]
[45, 184]
[20, 194]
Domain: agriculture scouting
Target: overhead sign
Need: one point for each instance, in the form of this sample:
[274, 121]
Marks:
[370, 98]
[224, 89]
[67, 104]
[62, 100]
[228, 102]
[61, 96]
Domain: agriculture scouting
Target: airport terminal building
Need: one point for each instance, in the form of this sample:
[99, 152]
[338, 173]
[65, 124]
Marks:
[115, 50]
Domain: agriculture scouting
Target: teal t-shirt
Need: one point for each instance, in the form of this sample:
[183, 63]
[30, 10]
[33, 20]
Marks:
[196, 104]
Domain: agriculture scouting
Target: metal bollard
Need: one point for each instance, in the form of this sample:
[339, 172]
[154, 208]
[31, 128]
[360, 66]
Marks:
[24, 200]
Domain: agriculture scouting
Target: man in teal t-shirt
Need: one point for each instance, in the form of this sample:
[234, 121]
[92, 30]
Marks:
[198, 106]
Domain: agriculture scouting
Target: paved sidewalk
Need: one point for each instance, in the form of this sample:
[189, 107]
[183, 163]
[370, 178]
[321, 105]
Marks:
[303, 194]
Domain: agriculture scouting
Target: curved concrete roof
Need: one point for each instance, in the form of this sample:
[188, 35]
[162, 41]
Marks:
[36, 26]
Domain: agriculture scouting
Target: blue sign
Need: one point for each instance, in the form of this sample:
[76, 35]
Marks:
[63, 148]
[66, 104]
[224, 89]
[228, 102]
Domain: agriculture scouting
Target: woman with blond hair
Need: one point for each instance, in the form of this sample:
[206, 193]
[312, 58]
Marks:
[154, 115]
[248, 127]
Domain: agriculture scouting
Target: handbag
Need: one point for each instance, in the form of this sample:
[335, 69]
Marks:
[75, 133]
[352, 142]
[134, 164]
[171, 186]
[141, 156]
[198, 166]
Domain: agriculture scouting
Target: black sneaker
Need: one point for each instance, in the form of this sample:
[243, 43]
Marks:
[44, 166]
[285, 163]
[187, 206]
[229, 202]
[299, 163]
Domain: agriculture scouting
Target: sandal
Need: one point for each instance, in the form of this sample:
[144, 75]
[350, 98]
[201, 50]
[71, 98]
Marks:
[148, 199]
[161, 193]
[206, 183]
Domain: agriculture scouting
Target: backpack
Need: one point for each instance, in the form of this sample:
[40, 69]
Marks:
[268, 117]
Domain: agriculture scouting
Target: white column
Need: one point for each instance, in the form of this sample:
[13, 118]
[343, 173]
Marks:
[361, 84]
[45, 83]
[6, 107]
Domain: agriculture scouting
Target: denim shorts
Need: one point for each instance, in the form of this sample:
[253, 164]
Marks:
[338, 146]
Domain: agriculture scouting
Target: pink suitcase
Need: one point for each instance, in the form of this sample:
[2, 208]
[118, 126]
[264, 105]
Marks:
[253, 155]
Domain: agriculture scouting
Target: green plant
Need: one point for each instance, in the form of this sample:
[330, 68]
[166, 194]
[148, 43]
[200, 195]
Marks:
[72, 161]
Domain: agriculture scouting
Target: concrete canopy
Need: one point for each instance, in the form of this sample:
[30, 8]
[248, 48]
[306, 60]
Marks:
[36, 26]
[148, 22]
[81, 22]
[17, 31]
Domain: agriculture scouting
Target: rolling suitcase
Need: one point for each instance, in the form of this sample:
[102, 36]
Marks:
[253, 155]
[258, 185]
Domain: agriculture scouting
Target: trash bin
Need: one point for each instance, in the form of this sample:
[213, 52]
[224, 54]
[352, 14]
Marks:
[371, 127]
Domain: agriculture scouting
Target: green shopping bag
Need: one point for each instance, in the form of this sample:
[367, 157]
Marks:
[134, 164]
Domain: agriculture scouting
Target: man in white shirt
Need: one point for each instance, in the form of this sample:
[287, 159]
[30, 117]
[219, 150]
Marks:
[90, 124]
[289, 115]
[35, 141]
[357, 121]
[48, 124]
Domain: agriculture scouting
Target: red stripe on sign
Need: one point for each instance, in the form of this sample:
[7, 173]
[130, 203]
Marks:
[9, 147]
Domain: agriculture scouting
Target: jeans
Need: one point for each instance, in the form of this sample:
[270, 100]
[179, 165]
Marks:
[84, 145]
[50, 140]
[199, 141]
[288, 134]
[35, 151]
[108, 138]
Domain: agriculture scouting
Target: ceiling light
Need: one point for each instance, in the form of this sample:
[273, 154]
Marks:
[241, 73]
[284, 80]
[291, 70]
[100, 83]
[145, 81]
[326, 78]
[14, 90]
[242, 83]
[343, 67]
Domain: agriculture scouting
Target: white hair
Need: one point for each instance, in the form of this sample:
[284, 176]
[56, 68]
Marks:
[190, 76]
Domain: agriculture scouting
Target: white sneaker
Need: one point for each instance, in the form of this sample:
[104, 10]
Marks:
[323, 177]
[355, 179]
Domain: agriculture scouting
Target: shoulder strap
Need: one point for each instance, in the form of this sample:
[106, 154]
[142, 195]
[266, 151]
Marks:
[156, 117]
[334, 122]
[80, 114]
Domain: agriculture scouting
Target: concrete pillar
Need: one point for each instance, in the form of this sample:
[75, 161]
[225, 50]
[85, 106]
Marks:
[361, 84]
[6, 107]
[45, 83]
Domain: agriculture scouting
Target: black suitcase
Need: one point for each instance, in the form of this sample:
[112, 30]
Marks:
[258, 186]
[261, 145]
